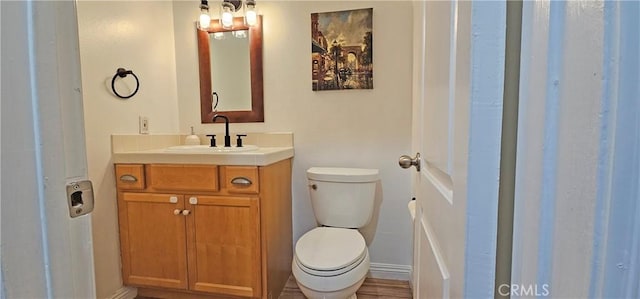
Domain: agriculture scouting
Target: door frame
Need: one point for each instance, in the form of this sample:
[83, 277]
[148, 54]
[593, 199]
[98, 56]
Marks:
[577, 201]
[43, 151]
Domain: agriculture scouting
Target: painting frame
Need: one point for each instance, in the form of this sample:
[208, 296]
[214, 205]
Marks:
[342, 49]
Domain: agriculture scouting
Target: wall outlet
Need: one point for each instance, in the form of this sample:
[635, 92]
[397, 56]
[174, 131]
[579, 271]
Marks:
[143, 126]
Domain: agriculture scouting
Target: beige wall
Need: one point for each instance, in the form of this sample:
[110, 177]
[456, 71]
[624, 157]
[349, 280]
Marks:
[352, 128]
[137, 36]
[355, 128]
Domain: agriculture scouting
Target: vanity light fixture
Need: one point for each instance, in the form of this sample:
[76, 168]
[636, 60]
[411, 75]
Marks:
[205, 19]
[250, 13]
[227, 10]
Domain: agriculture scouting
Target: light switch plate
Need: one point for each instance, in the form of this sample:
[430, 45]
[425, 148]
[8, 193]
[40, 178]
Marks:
[143, 125]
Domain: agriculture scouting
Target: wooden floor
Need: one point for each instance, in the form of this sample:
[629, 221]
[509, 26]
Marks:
[370, 289]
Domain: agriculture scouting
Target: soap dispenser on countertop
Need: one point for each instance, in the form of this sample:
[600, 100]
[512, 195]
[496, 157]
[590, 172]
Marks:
[192, 139]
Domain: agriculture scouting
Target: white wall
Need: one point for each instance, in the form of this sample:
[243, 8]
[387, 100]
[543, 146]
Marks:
[356, 128]
[137, 36]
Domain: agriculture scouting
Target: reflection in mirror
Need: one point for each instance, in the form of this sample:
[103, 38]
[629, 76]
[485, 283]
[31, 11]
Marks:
[230, 70]
[223, 73]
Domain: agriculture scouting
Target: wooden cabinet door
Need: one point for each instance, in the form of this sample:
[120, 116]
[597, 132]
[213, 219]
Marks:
[223, 241]
[152, 237]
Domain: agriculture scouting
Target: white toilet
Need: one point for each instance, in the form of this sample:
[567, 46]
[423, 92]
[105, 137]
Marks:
[332, 261]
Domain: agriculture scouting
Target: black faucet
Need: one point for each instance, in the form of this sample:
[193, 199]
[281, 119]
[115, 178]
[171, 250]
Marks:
[227, 137]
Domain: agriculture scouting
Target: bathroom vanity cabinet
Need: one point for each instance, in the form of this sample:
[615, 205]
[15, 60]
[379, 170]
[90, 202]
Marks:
[194, 230]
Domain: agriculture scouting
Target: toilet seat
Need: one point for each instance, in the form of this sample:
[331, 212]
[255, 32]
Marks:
[328, 251]
[329, 273]
[346, 283]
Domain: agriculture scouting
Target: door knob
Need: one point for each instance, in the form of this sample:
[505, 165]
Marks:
[406, 161]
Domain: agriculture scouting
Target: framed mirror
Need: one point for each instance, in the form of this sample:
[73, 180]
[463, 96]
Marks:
[230, 62]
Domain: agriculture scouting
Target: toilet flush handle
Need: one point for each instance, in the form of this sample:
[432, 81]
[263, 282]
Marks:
[314, 186]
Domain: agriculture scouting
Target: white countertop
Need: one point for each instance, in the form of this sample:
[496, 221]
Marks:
[260, 157]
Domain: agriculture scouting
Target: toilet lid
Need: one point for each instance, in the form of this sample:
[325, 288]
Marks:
[329, 248]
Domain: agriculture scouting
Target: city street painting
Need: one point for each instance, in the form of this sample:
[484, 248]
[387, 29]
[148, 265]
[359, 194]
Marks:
[342, 49]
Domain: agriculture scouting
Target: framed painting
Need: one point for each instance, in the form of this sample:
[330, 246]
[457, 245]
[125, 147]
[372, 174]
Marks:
[342, 50]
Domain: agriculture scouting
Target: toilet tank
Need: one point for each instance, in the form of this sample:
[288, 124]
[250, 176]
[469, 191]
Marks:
[342, 197]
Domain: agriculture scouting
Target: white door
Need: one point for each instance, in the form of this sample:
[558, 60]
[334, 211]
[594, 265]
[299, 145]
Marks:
[458, 82]
[46, 253]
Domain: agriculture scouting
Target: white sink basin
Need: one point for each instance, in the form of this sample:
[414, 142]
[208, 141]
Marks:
[207, 149]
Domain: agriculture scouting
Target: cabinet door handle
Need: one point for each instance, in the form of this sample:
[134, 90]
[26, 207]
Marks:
[242, 181]
[186, 212]
[128, 178]
[177, 212]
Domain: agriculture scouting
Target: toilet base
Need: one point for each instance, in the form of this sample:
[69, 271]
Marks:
[348, 293]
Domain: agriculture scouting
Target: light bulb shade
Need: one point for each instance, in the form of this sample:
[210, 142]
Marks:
[250, 15]
[205, 20]
[226, 19]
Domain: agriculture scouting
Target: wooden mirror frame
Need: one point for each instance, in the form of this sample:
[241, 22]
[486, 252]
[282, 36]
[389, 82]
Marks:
[255, 55]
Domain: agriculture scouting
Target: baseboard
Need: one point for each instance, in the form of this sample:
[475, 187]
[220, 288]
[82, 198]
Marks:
[390, 271]
[125, 293]
[411, 280]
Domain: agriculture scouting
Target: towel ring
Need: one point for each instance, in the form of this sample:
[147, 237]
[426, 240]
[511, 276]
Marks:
[123, 73]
